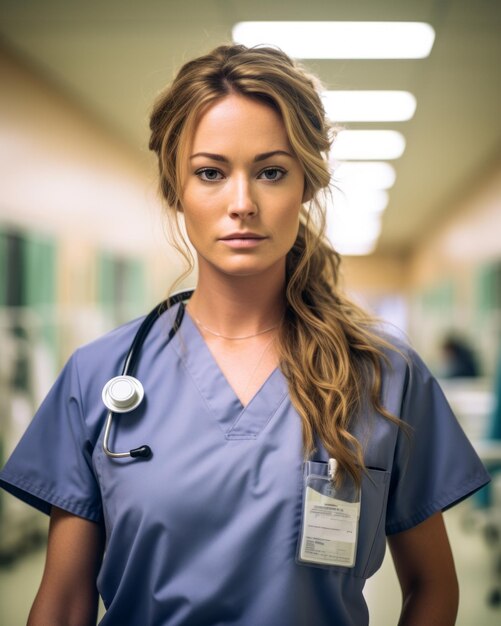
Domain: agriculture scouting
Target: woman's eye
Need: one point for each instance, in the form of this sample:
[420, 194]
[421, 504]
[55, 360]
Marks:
[272, 174]
[209, 174]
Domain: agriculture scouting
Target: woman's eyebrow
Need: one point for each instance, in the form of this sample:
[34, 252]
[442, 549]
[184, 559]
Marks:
[209, 155]
[267, 155]
[258, 157]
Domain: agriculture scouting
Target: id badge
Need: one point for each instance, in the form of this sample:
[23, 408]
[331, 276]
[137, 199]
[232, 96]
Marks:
[330, 520]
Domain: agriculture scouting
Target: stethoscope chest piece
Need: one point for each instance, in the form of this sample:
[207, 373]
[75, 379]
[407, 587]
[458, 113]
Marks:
[123, 394]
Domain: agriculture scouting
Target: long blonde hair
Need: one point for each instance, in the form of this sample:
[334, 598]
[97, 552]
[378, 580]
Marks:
[328, 347]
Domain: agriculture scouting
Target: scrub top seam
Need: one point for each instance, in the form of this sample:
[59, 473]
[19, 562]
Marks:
[384, 501]
[441, 503]
[201, 395]
[96, 445]
[243, 411]
[264, 423]
[81, 409]
[48, 499]
[194, 374]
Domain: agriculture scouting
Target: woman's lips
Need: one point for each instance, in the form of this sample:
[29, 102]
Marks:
[243, 241]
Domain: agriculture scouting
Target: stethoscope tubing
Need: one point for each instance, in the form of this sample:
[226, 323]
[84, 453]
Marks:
[131, 361]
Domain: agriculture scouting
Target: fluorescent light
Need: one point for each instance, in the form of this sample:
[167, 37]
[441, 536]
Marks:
[352, 231]
[369, 106]
[356, 205]
[368, 144]
[350, 236]
[340, 40]
[359, 202]
[354, 248]
[364, 174]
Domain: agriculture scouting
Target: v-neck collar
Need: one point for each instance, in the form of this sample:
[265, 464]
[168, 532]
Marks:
[235, 420]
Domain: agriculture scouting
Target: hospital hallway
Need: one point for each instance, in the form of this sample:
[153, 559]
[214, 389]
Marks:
[474, 561]
[412, 205]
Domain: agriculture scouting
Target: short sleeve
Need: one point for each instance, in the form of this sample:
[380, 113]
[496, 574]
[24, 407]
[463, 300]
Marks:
[52, 463]
[435, 465]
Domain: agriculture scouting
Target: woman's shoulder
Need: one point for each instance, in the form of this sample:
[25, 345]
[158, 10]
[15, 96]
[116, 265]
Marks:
[117, 338]
[399, 356]
[105, 355]
[93, 363]
[121, 337]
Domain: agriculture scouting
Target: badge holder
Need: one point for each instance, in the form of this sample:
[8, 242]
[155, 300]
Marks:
[329, 521]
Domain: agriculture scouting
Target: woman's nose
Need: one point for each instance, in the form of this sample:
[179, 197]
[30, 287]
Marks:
[241, 202]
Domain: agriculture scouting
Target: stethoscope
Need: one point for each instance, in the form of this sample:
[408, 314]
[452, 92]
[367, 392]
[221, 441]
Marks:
[125, 393]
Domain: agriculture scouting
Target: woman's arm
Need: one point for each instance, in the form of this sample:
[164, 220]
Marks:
[425, 569]
[68, 594]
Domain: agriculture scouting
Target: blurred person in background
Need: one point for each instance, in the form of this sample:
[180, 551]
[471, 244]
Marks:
[458, 358]
[290, 435]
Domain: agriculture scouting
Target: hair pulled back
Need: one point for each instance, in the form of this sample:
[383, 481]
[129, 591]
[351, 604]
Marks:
[327, 346]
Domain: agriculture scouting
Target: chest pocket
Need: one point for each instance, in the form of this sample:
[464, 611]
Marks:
[371, 533]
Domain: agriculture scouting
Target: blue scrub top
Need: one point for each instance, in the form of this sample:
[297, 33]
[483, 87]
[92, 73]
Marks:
[205, 532]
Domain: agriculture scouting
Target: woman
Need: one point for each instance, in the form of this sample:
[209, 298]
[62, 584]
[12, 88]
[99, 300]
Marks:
[271, 366]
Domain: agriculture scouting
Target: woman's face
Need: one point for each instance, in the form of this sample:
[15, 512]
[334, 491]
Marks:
[243, 189]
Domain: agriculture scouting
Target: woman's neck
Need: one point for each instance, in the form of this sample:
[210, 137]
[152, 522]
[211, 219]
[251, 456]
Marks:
[238, 306]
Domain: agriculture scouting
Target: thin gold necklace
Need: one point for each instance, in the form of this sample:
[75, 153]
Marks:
[255, 369]
[213, 332]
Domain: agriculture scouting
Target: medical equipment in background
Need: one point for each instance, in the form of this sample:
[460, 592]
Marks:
[124, 393]
[473, 402]
[491, 530]
[26, 370]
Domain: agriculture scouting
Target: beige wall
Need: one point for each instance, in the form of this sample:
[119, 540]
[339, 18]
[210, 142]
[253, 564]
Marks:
[66, 174]
[377, 274]
[469, 236]
[450, 257]
[455, 254]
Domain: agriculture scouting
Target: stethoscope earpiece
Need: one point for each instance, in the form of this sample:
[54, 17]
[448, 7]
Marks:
[144, 452]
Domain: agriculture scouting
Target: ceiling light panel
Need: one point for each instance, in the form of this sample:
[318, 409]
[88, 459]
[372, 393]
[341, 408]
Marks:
[355, 248]
[340, 40]
[369, 106]
[352, 227]
[364, 174]
[357, 202]
[353, 234]
[367, 145]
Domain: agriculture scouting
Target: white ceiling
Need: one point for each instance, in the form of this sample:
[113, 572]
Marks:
[114, 56]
